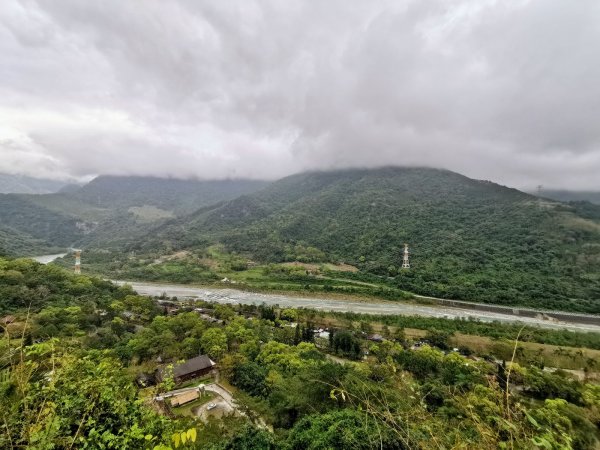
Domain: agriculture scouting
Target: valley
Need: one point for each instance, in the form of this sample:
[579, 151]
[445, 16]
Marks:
[260, 311]
[469, 240]
[271, 225]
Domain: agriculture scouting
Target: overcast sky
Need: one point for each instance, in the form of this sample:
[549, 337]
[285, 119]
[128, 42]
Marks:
[501, 90]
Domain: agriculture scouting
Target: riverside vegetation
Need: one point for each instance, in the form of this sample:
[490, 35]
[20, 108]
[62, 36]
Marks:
[470, 240]
[73, 346]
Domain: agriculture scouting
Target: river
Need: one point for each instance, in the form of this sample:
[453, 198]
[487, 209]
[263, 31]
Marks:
[235, 296]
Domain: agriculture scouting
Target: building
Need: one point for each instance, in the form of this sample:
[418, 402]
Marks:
[192, 368]
[185, 397]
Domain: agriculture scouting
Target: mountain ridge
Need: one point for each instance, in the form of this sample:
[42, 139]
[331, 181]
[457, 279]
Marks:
[22, 184]
[108, 211]
[471, 239]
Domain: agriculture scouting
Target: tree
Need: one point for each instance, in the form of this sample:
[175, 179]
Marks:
[439, 339]
[341, 429]
[214, 343]
[291, 315]
[267, 312]
[87, 402]
[366, 327]
[400, 335]
[224, 312]
[251, 438]
[251, 377]
[346, 344]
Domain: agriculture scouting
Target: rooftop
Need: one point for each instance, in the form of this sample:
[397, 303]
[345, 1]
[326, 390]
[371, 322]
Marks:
[193, 365]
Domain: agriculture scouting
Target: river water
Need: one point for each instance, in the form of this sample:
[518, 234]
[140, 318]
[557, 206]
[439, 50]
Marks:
[235, 296]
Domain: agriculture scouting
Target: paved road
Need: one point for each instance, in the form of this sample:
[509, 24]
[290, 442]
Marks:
[235, 296]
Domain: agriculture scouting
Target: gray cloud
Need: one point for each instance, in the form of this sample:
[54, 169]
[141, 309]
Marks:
[506, 91]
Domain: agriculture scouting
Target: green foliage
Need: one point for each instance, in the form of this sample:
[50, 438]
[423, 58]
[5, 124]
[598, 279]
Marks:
[343, 429]
[25, 284]
[439, 338]
[36, 228]
[214, 342]
[496, 330]
[545, 385]
[252, 378]
[346, 344]
[70, 389]
[107, 212]
[470, 240]
[85, 401]
[250, 438]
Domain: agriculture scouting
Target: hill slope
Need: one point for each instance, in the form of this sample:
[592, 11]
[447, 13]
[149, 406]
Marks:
[35, 225]
[20, 184]
[177, 196]
[471, 240]
[573, 196]
[108, 211]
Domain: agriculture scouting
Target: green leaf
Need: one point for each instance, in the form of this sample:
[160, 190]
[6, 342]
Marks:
[183, 437]
[532, 421]
[176, 439]
[191, 434]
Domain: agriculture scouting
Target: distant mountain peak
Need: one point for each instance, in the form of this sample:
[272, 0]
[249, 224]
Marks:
[21, 184]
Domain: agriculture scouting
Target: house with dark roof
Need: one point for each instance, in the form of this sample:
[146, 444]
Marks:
[192, 368]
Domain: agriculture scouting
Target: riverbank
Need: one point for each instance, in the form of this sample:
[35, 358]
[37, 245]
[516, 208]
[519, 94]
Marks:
[378, 307]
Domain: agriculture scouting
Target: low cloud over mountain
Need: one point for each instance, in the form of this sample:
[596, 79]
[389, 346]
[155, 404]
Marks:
[498, 90]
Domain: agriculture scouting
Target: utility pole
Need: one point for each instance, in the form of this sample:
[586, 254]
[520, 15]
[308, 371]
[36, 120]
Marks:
[405, 260]
[78, 262]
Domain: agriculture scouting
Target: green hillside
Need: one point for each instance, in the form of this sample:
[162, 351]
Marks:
[572, 196]
[35, 226]
[107, 212]
[20, 184]
[178, 196]
[471, 240]
[14, 243]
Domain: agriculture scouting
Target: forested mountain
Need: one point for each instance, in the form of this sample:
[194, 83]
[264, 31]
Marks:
[177, 196]
[572, 196]
[33, 222]
[470, 239]
[108, 211]
[20, 184]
